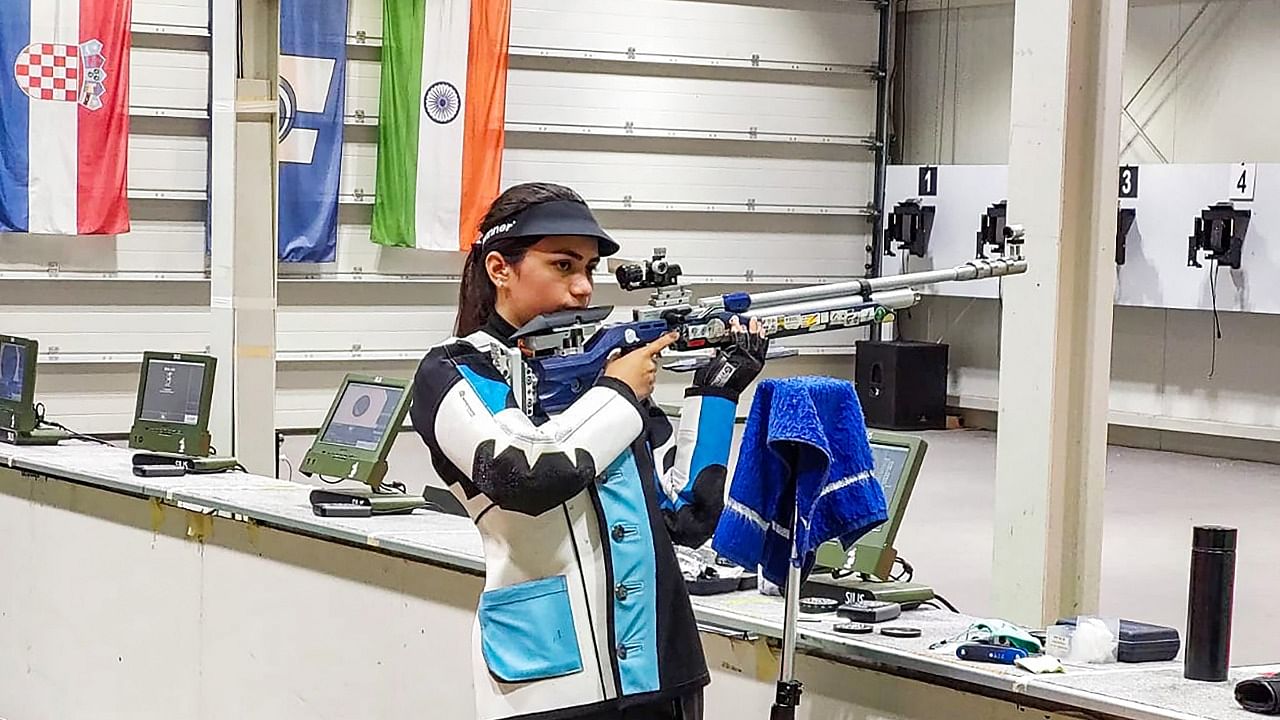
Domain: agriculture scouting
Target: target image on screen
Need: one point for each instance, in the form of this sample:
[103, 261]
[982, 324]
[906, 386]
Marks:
[363, 415]
[172, 392]
[13, 368]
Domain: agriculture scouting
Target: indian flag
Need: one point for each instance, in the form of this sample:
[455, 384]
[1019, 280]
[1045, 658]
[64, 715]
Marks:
[440, 122]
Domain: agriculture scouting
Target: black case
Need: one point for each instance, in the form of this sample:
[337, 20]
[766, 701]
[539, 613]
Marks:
[1143, 642]
[720, 585]
[902, 385]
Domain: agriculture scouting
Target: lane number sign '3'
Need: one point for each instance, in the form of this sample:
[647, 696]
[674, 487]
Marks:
[1129, 182]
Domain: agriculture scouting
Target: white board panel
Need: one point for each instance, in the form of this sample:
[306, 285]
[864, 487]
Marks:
[364, 16]
[173, 245]
[561, 98]
[184, 13]
[760, 248]
[791, 254]
[541, 97]
[176, 245]
[90, 329]
[651, 177]
[1170, 197]
[841, 34]
[168, 162]
[964, 194]
[363, 89]
[695, 179]
[337, 328]
[810, 32]
[545, 97]
[359, 169]
[168, 79]
[1155, 273]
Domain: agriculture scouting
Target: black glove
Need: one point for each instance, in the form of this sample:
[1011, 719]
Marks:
[1260, 694]
[735, 366]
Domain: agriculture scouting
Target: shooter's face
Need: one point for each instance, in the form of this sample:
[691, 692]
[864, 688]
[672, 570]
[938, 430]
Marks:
[555, 274]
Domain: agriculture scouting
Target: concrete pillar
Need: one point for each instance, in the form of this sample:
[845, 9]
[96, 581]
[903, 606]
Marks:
[1055, 348]
[243, 229]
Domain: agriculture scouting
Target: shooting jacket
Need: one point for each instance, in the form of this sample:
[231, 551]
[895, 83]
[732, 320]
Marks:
[584, 608]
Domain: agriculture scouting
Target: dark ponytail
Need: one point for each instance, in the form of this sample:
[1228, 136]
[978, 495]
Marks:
[477, 294]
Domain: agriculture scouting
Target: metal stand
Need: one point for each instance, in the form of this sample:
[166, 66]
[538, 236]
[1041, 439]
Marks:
[875, 264]
[787, 697]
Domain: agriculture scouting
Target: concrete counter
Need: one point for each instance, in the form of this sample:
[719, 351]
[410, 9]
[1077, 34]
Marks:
[205, 595]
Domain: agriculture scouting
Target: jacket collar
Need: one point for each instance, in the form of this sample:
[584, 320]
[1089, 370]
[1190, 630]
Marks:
[500, 329]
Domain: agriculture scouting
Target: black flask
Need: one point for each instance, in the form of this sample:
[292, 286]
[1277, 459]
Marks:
[1209, 601]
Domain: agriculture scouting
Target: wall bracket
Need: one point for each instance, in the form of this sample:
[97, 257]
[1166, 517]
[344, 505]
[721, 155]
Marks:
[991, 233]
[1124, 223]
[910, 226]
[1219, 232]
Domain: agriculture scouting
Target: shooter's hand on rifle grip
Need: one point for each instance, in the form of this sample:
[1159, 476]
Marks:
[735, 366]
[639, 368]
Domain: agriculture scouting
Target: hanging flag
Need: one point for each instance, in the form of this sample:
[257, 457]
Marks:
[440, 122]
[313, 72]
[64, 116]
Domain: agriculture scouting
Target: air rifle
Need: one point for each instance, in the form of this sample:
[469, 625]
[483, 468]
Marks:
[568, 350]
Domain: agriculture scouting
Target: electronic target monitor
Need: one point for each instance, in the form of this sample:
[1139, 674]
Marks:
[175, 392]
[363, 421]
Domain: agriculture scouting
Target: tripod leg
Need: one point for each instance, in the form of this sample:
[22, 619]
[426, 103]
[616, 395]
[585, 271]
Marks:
[787, 698]
[786, 701]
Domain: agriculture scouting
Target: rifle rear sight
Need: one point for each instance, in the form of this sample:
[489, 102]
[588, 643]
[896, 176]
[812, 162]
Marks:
[655, 273]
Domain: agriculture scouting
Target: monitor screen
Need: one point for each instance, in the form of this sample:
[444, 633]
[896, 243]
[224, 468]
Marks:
[13, 370]
[891, 462]
[172, 392]
[363, 415]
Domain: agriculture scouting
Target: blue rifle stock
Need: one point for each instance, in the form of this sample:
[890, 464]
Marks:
[565, 373]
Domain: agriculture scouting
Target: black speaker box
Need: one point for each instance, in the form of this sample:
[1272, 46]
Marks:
[902, 385]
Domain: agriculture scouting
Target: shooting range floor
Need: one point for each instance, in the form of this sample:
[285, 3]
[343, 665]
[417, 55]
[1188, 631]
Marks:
[1152, 501]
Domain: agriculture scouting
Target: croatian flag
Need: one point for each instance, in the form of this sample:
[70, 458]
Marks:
[64, 116]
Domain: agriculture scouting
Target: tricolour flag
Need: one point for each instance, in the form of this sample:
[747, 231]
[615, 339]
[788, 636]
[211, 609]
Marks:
[64, 116]
[313, 71]
[440, 120]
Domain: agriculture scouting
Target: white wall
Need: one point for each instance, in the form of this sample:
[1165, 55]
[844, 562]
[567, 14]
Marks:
[1206, 104]
[731, 133]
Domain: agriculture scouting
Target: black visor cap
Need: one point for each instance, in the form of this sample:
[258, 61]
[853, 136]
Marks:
[558, 217]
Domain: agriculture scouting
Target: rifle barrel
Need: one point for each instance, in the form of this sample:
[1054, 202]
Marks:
[892, 299]
[972, 270]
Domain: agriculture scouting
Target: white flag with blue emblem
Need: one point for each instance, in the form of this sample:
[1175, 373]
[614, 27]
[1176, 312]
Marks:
[313, 63]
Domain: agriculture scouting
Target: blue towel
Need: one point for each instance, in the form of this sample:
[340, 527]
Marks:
[805, 447]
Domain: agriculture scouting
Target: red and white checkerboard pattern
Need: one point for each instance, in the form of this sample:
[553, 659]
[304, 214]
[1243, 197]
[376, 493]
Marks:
[49, 71]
